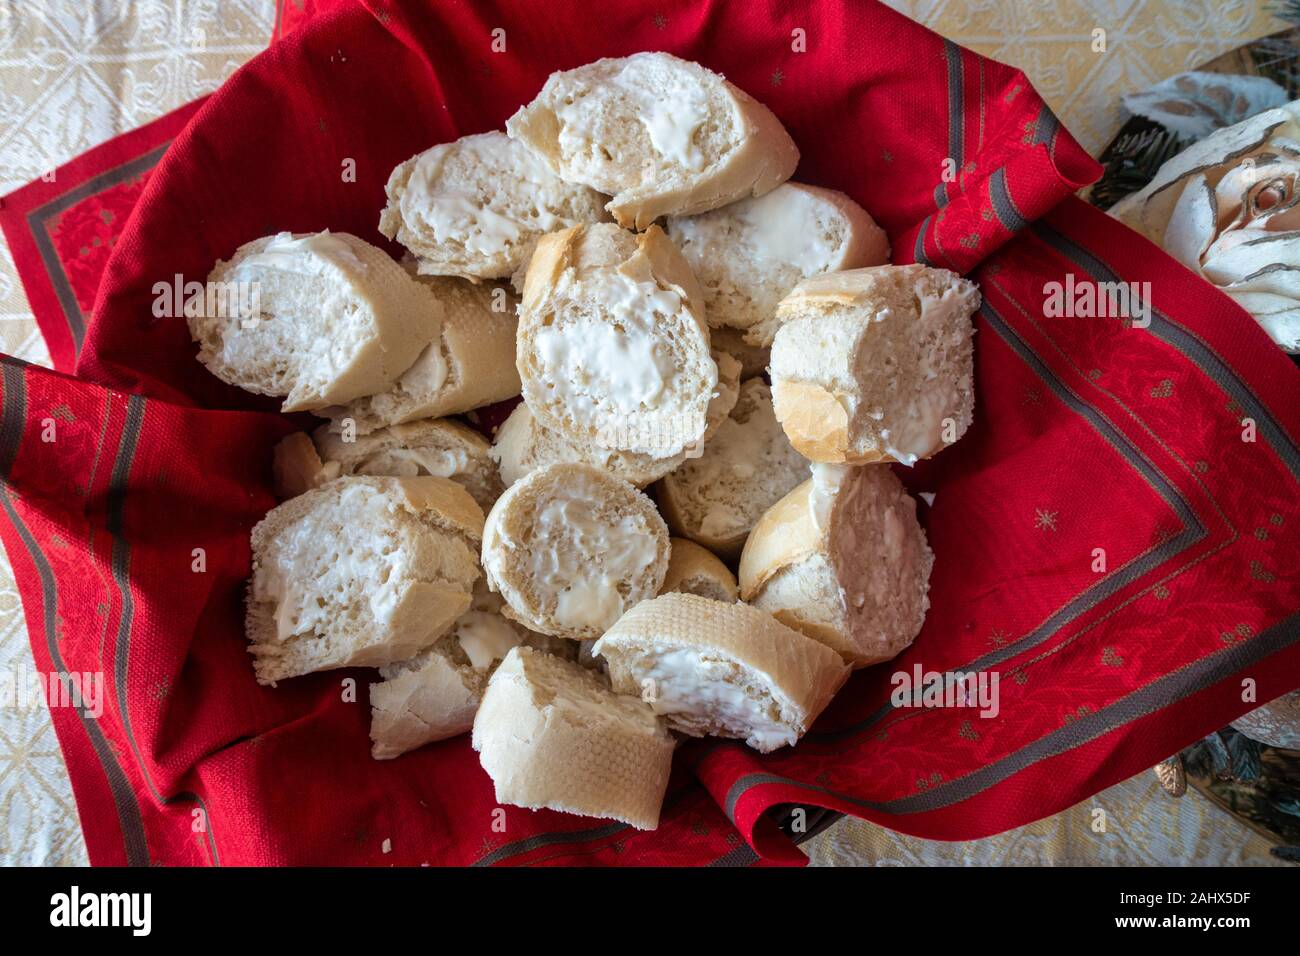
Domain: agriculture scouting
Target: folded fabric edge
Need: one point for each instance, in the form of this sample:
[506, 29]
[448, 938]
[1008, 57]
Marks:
[28, 214]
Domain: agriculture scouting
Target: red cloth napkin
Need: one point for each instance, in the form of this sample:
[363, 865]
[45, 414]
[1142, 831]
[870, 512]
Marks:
[1088, 435]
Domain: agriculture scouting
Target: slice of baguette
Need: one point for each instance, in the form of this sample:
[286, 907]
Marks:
[749, 464]
[723, 670]
[750, 254]
[335, 319]
[360, 572]
[474, 207]
[842, 559]
[523, 444]
[551, 735]
[434, 695]
[663, 136]
[875, 364]
[469, 364]
[440, 447]
[613, 350]
[570, 548]
[696, 570]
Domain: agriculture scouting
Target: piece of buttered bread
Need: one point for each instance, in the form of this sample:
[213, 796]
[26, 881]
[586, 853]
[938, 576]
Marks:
[570, 548]
[441, 447]
[875, 364]
[474, 207]
[317, 319]
[720, 669]
[749, 255]
[613, 350]
[843, 559]
[434, 695]
[360, 572]
[524, 444]
[696, 570]
[663, 136]
[552, 735]
[471, 362]
[745, 467]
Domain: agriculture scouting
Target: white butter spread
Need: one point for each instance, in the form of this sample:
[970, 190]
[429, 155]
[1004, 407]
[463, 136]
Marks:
[672, 108]
[485, 637]
[481, 229]
[426, 376]
[289, 574]
[310, 254]
[671, 118]
[586, 559]
[617, 363]
[712, 689]
[413, 462]
[782, 227]
[471, 219]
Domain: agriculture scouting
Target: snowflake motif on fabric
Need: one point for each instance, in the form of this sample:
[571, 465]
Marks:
[1045, 520]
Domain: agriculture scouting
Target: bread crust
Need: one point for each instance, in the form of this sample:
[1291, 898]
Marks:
[786, 534]
[475, 340]
[542, 751]
[404, 316]
[815, 421]
[426, 609]
[693, 569]
[798, 530]
[801, 673]
[420, 707]
[479, 476]
[296, 467]
[765, 157]
[814, 417]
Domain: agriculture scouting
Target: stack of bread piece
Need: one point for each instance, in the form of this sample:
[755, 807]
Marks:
[703, 348]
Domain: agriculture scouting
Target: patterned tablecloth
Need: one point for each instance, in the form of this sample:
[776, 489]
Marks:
[74, 73]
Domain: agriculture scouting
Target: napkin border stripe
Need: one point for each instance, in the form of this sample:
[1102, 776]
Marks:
[12, 420]
[540, 840]
[1188, 344]
[1177, 685]
[1193, 531]
[120, 566]
[38, 224]
[956, 98]
[1003, 205]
